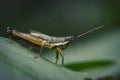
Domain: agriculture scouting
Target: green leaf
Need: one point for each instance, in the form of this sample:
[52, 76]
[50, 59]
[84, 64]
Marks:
[89, 65]
[21, 59]
[97, 56]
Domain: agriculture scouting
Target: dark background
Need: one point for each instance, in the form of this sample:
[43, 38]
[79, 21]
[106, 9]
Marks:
[51, 16]
[55, 17]
[69, 17]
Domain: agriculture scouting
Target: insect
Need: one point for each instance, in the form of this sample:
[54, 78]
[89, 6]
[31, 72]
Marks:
[43, 40]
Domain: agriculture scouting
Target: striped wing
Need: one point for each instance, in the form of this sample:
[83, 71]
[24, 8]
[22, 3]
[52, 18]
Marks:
[48, 38]
[39, 35]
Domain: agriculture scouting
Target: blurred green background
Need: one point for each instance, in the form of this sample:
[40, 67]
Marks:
[96, 54]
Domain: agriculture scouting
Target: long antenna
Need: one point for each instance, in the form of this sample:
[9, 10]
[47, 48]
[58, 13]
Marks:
[91, 30]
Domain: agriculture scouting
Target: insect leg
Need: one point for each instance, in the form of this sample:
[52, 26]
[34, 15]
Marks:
[61, 53]
[38, 55]
[41, 49]
[57, 55]
[31, 47]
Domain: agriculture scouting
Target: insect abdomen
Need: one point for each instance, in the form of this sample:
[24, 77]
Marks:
[56, 39]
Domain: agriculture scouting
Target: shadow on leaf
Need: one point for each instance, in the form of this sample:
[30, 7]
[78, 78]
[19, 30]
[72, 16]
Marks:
[89, 65]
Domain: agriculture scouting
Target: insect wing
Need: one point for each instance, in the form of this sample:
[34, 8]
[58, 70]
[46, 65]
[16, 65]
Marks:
[48, 38]
[39, 35]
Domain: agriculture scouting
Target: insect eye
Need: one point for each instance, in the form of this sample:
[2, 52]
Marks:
[70, 38]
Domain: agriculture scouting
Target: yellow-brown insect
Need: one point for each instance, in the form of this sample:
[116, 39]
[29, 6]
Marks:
[43, 40]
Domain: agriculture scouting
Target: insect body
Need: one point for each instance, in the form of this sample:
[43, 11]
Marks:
[43, 40]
